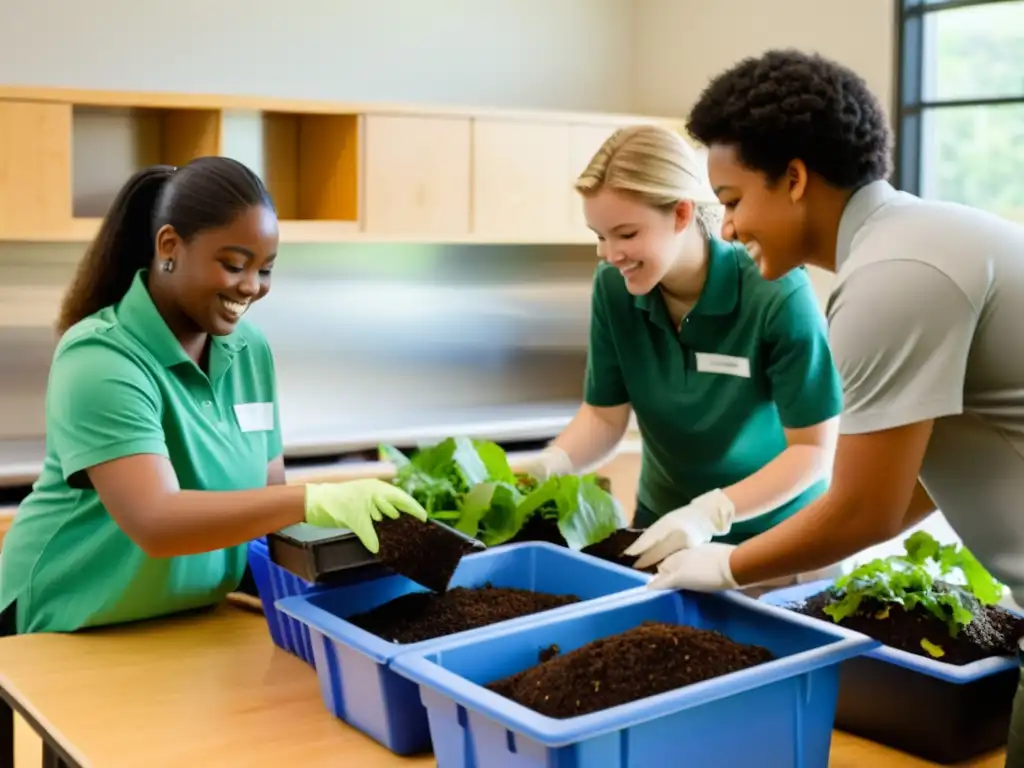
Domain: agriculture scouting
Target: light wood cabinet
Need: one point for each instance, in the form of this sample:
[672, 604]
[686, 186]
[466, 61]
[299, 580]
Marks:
[109, 144]
[519, 179]
[524, 176]
[35, 169]
[584, 141]
[311, 165]
[337, 172]
[417, 176]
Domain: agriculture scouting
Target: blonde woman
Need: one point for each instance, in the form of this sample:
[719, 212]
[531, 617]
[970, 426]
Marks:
[729, 375]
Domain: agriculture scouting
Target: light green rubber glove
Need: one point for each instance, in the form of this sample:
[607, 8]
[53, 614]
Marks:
[357, 505]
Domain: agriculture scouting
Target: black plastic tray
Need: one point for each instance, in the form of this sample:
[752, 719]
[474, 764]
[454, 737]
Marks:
[332, 555]
[925, 716]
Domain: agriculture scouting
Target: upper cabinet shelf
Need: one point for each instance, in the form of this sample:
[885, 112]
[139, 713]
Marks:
[337, 172]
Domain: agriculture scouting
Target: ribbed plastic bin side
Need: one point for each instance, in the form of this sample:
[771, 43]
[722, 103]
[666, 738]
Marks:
[941, 712]
[356, 681]
[778, 714]
[274, 583]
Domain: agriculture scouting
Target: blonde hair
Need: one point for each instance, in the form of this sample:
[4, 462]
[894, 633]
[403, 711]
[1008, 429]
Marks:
[657, 167]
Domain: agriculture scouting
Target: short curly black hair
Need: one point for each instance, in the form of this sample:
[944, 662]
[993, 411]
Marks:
[786, 105]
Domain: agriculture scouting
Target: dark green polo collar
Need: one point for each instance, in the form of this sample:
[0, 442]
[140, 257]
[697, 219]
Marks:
[139, 316]
[721, 290]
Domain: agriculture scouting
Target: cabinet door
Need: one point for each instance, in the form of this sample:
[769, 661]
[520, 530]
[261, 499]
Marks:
[520, 189]
[584, 141]
[35, 170]
[417, 175]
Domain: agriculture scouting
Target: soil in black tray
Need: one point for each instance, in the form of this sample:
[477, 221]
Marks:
[424, 615]
[612, 548]
[644, 661]
[539, 528]
[426, 553]
[993, 632]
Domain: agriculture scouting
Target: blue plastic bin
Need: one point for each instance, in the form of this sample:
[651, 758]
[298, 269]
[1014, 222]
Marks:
[273, 583]
[356, 681]
[941, 712]
[776, 714]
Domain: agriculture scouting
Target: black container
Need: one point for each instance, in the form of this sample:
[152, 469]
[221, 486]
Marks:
[943, 713]
[925, 716]
[332, 556]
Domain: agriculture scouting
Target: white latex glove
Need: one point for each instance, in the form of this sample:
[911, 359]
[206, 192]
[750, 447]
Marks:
[697, 523]
[551, 461]
[701, 569]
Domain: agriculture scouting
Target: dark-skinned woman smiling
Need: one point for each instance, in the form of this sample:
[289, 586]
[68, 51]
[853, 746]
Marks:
[164, 450]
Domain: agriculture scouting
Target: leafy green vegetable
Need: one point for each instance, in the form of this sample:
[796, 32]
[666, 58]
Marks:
[493, 512]
[469, 485]
[944, 580]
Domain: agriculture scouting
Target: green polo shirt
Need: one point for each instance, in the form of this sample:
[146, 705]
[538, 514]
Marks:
[120, 384]
[712, 398]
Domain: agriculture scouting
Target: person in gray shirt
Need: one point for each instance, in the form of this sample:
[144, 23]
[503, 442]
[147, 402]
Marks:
[926, 325]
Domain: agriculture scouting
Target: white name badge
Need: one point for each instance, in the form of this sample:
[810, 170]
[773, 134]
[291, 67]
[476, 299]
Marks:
[708, 362]
[255, 417]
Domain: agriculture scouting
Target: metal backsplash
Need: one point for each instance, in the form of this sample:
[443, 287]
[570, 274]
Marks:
[373, 342]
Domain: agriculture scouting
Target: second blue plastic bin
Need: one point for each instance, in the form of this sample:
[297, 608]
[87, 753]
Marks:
[353, 665]
[273, 583]
[775, 715]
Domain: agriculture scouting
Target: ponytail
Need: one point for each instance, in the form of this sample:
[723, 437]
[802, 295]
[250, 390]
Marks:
[123, 246]
[206, 194]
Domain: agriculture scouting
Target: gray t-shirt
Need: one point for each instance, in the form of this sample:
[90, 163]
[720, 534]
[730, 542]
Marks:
[926, 321]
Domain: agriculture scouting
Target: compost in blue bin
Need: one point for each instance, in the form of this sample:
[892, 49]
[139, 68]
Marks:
[419, 616]
[649, 659]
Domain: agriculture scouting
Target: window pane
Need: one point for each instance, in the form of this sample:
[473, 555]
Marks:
[975, 155]
[974, 52]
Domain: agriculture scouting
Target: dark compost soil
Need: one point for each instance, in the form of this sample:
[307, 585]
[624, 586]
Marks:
[647, 660]
[425, 615]
[538, 528]
[424, 552]
[994, 631]
[611, 548]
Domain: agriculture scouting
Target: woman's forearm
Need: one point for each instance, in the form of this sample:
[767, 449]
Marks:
[592, 434]
[920, 507]
[779, 481]
[142, 494]
[823, 533]
[189, 522]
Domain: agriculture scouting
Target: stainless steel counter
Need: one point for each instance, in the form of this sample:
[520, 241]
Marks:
[373, 343]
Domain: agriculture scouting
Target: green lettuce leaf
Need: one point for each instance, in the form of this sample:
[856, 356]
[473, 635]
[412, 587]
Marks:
[925, 577]
[490, 513]
[469, 485]
[585, 512]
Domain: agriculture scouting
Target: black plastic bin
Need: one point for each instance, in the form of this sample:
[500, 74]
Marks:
[931, 718]
[940, 712]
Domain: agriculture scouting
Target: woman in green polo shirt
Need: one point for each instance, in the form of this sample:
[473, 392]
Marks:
[729, 375]
[164, 452]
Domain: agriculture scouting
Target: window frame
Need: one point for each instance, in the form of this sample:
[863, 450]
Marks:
[911, 106]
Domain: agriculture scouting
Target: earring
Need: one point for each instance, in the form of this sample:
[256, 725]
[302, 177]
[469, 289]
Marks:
[168, 265]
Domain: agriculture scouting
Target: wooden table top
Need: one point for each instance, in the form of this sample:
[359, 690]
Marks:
[211, 689]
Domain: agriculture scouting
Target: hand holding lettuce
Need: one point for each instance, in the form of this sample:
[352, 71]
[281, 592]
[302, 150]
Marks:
[469, 485]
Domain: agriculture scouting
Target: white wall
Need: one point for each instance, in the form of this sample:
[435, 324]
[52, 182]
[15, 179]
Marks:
[567, 54]
[679, 45]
